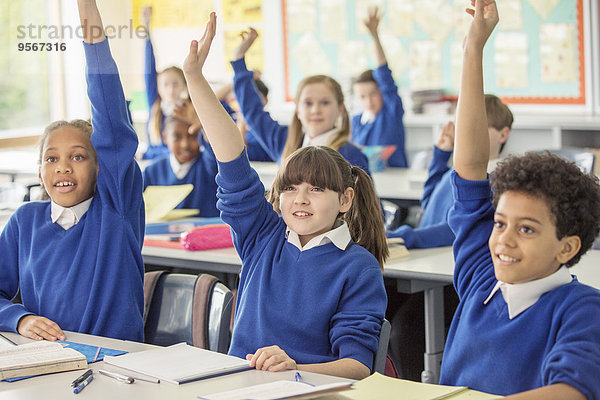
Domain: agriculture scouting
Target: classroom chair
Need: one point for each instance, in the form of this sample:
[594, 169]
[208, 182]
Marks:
[383, 362]
[195, 309]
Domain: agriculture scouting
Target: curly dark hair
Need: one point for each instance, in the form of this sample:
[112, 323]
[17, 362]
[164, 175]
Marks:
[573, 197]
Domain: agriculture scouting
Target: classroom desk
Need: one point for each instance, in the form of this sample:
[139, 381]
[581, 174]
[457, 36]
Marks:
[57, 386]
[392, 183]
[426, 270]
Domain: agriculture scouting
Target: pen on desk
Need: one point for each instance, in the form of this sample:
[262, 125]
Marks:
[81, 378]
[298, 378]
[119, 377]
[83, 384]
[97, 354]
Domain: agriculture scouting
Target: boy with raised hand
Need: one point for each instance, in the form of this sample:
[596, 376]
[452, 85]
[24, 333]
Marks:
[525, 327]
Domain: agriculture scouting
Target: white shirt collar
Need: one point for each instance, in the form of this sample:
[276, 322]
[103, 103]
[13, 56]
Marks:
[520, 296]
[180, 170]
[339, 236]
[69, 216]
[321, 140]
[367, 117]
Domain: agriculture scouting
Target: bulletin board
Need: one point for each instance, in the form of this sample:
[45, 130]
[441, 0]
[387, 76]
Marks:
[535, 55]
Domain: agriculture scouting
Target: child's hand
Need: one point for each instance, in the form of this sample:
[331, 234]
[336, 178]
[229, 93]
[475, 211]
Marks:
[248, 38]
[446, 140]
[146, 16]
[185, 111]
[485, 18]
[192, 66]
[271, 358]
[40, 328]
[372, 21]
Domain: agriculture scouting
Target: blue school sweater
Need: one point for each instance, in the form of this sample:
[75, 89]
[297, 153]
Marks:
[88, 278]
[267, 131]
[387, 128]
[201, 175]
[433, 230]
[318, 305]
[556, 340]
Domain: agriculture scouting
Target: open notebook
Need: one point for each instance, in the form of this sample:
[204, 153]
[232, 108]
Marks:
[179, 363]
[160, 202]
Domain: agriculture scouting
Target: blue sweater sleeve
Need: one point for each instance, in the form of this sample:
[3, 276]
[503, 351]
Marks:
[268, 133]
[10, 314]
[423, 238]
[113, 137]
[389, 91]
[242, 202]
[150, 74]
[471, 219]
[437, 168]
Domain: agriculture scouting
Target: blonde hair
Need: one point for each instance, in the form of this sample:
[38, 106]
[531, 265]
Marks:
[155, 126]
[84, 126]
[324, 167]
[295, 134]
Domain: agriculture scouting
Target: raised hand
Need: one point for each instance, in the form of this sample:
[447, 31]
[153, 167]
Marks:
[39, 328]
[271, 358]
[446, 140]
[199, 49]
[248, 38]
[373, 19]
[485, 18]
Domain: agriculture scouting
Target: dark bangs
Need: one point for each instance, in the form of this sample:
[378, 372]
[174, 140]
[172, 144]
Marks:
[314, 165]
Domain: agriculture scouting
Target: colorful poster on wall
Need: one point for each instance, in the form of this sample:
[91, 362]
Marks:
[425, 40]
[174, 14]
[242, 11]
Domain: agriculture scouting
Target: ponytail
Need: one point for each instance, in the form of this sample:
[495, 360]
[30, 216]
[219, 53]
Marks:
[364, 217]
[155, 124]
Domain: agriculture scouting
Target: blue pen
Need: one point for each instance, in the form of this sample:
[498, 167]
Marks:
[298, 378]
[83, 384]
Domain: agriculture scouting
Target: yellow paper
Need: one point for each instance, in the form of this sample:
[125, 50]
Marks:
[379, 386]
[180, 213]
[160, 200]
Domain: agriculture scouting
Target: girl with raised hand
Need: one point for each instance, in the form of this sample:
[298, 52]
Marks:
[320, 118]
[311, 297]
[76, 259]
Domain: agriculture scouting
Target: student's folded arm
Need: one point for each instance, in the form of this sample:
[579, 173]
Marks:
[345, 367]
[424, 238]
[150, 74]
[268, 132]
[10, 313]
[471, 219]
[437, 168]
[113, 137]
[356, 325]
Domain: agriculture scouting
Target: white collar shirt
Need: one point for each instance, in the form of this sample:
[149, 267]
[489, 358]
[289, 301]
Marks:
[67, 217]
[339, 236]
[367, 117]
[321, 140]
[520, 296]
[180, 170]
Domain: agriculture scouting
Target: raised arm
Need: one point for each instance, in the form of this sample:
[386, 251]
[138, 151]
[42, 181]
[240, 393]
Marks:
[91, 23]
[222, 133]
[372, 24]
[471, 150]
[248, 38]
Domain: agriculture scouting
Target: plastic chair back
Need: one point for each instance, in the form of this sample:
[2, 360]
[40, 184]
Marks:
[382, 347]
[195, 309]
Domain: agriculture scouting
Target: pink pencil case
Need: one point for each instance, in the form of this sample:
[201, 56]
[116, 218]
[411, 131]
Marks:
[207, 237]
